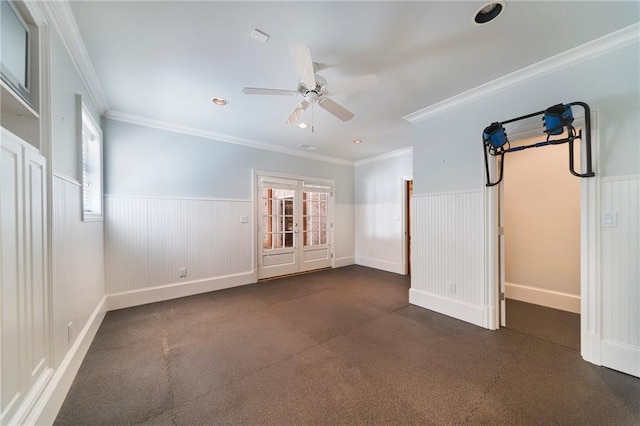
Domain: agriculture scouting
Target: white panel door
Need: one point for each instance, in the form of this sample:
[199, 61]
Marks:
[278, 228]
[316, 223]
[294, 225]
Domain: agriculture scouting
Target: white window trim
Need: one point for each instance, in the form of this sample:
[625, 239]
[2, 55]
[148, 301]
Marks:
[84, 118]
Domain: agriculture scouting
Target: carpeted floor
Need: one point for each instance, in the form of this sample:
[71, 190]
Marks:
[336, 347]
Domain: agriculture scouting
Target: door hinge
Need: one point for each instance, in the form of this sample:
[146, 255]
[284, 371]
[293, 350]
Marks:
[501, 230]
[332, 225]
[332, 255]
[501, 296]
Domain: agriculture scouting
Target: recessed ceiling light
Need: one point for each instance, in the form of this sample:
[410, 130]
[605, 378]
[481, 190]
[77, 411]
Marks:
[488, 12]
[303, 125]
[220, 101]
[357, 141]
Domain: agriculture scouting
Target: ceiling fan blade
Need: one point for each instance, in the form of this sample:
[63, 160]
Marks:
[297, 112]
[261, 91]
[304, 65]
[339, 111]
[366, 82]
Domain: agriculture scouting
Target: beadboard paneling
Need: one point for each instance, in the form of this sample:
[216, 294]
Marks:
[77, 265]
[620, 265]
[148, 240]
[448, 246]
[344, 234]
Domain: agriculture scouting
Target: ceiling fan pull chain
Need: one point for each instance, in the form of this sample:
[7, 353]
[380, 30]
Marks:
[313, 122]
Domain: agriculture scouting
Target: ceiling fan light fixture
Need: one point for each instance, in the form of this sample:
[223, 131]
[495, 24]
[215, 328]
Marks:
[303, 125]
[488, 12]
[219, 101]
[357, 141]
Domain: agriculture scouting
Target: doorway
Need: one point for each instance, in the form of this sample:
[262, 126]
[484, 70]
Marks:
[539, 244]
[294, 218]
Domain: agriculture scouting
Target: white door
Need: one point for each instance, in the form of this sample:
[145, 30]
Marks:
[316, 224]
[293, 226]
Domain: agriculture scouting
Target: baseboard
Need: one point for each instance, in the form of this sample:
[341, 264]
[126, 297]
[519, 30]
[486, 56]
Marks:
[380, 264]
[539, 296]
[621, 357]
[591, 347]
[173, 291]
[473, 314]
[49, 403]
[344, 261]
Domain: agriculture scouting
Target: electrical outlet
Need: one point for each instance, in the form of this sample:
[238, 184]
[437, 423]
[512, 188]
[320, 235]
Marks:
[70, 332]
[451, 286]
[244, 219]
[183, 272]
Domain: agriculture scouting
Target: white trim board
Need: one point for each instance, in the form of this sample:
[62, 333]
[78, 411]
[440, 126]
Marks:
[344, 261]
[383, 265]
[453, 308]
[540, 296]
[385, 156]
[46, 410]
[162, 197]
[161, 293]
[61, 16]
[205, 134]
[585, 52]
[621, 357]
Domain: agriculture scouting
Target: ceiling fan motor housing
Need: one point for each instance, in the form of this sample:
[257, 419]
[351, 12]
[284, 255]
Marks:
[315, 93]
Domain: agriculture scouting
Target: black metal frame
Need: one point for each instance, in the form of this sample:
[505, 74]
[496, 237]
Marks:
[572, 136]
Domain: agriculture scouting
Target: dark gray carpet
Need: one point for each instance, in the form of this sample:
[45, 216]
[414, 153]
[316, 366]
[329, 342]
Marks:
[336, 347]
[552, 325]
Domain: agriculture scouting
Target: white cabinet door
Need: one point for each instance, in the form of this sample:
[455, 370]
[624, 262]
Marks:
[24, 292]
[11, 276]
[36, 288]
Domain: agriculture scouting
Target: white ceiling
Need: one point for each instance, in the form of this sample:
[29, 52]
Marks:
[165, 60]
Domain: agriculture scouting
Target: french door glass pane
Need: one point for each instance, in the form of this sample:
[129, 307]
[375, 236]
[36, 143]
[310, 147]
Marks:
[315, 221]
[277, 218]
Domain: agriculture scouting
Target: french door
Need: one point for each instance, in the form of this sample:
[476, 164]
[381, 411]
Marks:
[294, 226]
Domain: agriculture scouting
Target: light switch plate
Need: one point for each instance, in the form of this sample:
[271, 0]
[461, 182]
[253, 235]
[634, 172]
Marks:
[609, 219]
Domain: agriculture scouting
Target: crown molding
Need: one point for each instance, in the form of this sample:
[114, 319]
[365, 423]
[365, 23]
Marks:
[192, 131]
[385, 156]
[589, 50]
[62, 19]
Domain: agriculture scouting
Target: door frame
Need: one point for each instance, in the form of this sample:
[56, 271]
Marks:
[255, 190]
[406, 232]
[590, 283]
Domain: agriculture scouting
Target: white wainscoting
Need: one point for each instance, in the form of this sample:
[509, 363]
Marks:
[448, 264]
[149, 239]
[344, 234]
[77, 265]
[77, 289]
[378, 236]
[620, 251]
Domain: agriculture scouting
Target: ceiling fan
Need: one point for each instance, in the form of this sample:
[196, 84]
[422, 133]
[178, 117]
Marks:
[314, 88]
